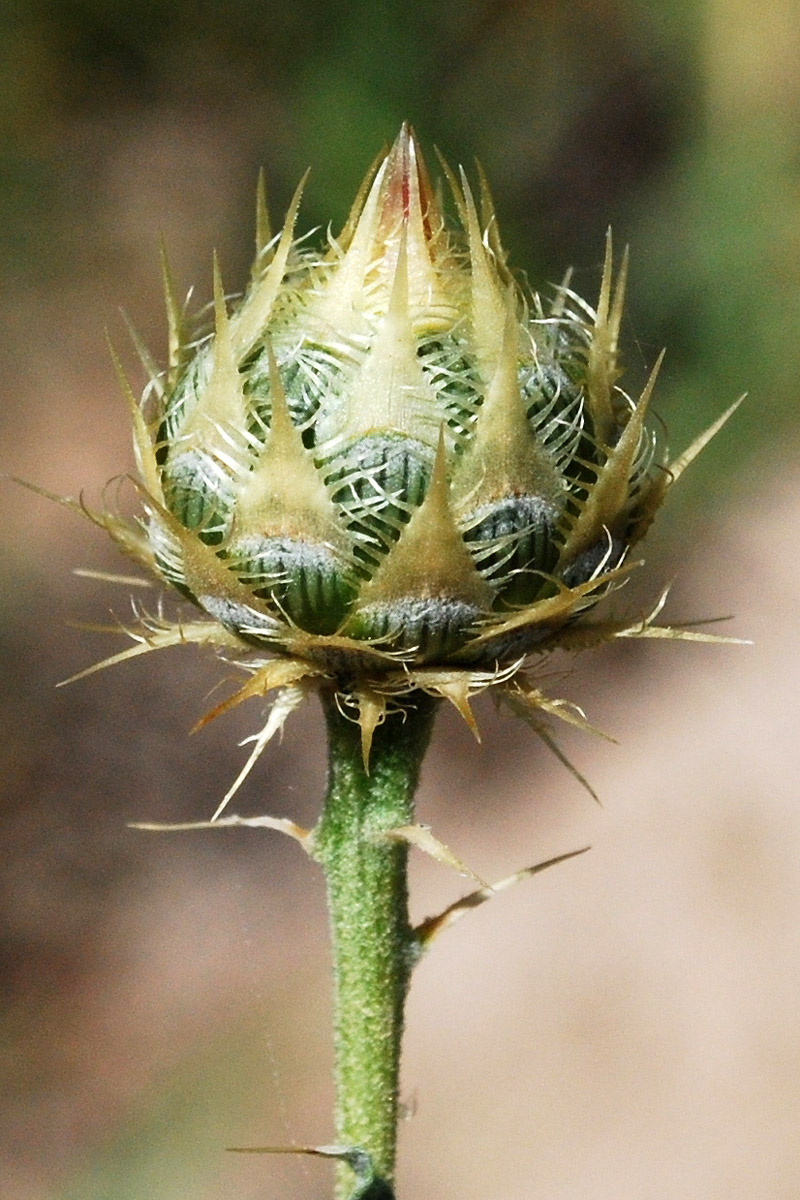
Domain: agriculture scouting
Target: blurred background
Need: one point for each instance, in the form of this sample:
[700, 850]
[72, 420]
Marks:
[625, 1026]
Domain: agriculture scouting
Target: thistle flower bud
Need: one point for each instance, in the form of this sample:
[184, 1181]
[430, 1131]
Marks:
[388, 462]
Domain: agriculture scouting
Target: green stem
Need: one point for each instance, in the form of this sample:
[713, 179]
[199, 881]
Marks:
[373, 943]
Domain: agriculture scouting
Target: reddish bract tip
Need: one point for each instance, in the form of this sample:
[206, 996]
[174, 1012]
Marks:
[406, 183]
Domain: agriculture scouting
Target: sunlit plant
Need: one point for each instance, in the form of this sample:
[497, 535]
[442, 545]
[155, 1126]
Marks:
[389, 475]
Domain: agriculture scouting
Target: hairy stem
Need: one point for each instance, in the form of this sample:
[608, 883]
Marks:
[373, 944]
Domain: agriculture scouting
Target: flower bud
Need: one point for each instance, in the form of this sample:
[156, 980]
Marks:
[388, 448]
[389, 467]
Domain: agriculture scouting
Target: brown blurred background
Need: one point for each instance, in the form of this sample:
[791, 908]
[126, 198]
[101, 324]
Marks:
[626, 1027]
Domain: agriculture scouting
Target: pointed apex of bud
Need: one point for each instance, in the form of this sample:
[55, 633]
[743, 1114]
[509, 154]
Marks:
[399, 206]
[408, 195]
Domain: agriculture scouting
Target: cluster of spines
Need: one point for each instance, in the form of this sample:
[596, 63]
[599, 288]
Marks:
[311, 521]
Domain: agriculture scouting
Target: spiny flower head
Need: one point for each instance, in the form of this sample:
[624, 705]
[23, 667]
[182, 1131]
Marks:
[389, 466]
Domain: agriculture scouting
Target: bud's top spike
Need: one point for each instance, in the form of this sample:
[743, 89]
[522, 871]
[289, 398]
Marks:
[601, 368]
[488, 309]
[455, 190]
[263, 227]
[175, 321]
[348, 229]
[489, 221]
[339, 306]
[145, 357]
[617, 306]
[408, 204]
[221, 321]
[604, 299]
[142, 437]
[363, 261]
[251, 321]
